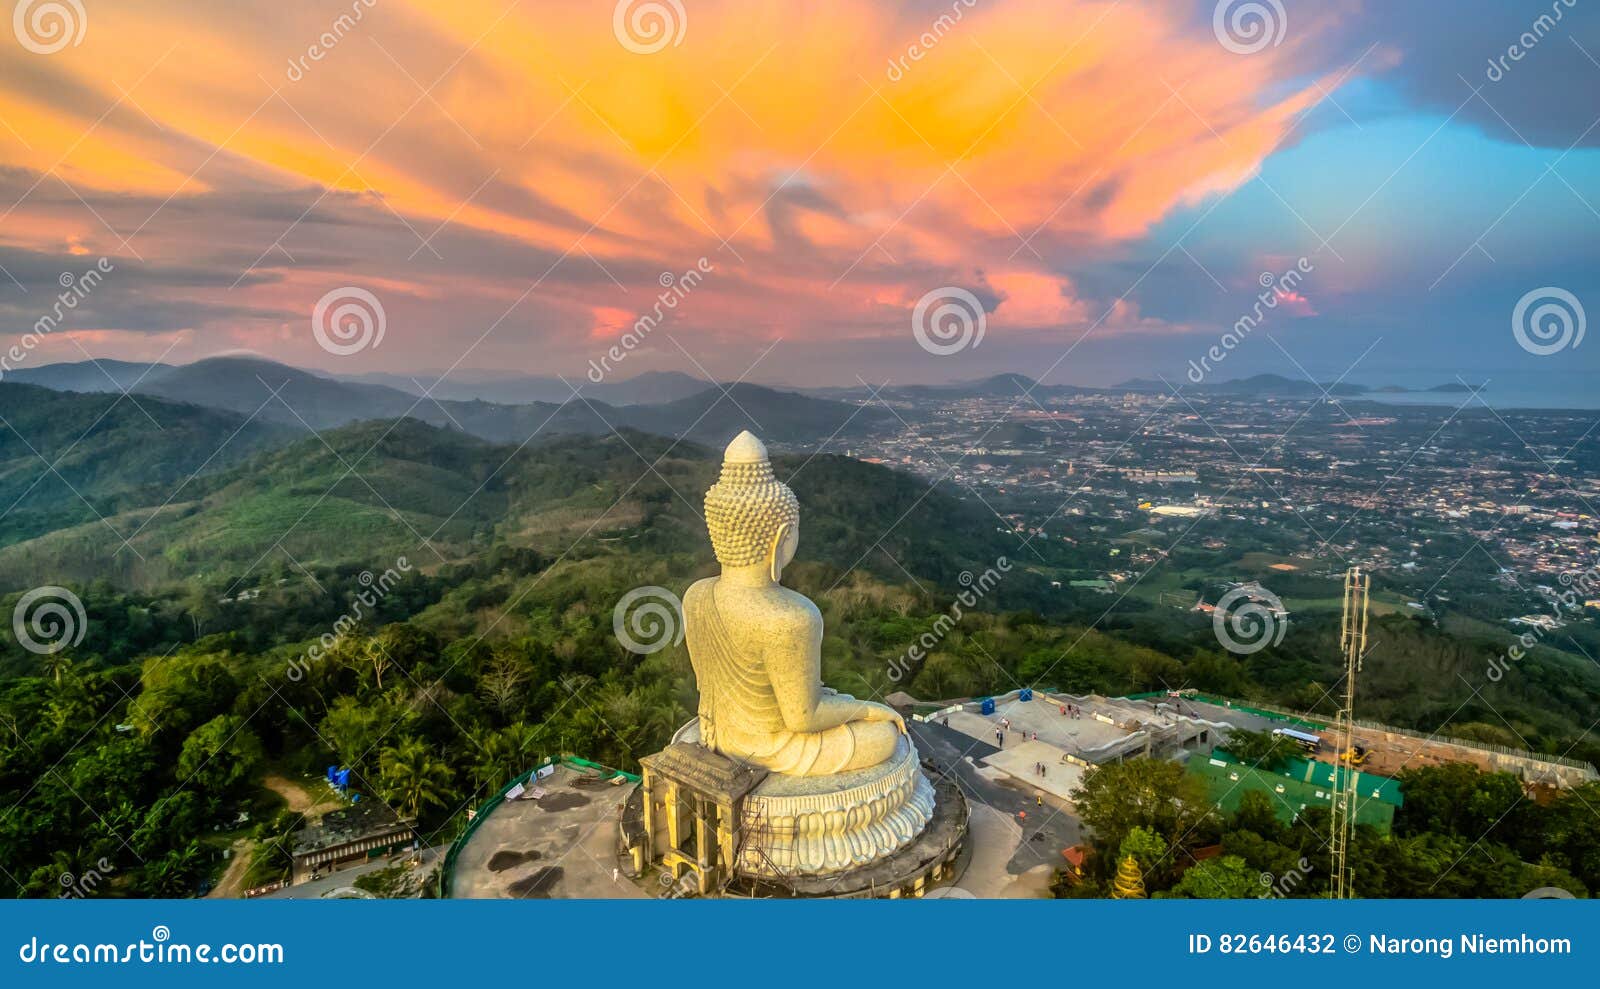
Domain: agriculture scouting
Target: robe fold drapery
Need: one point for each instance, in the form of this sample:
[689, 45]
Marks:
[739, 713]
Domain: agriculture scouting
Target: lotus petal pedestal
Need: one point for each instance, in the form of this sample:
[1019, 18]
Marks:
[824, 825]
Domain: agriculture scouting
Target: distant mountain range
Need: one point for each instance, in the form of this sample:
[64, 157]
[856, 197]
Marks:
[1279, 386]
[1020, 385]
[274, 501]
[1259, 384]
[88, 376]
[649, 388]
[995, 386]
[264, 393]
[672, 405]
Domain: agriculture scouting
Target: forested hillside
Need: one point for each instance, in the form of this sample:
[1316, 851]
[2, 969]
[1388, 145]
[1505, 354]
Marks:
[194, 690]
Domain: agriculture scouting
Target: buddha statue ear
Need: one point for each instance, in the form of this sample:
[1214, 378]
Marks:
[775, 562]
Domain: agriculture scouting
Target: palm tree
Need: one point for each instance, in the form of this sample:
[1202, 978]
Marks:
[57, 662]
[174, 873]
[493, 763]
[412, 778]
[504, 754]
[111, 828]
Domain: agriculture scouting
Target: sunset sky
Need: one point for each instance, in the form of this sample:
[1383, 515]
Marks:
[511, 180]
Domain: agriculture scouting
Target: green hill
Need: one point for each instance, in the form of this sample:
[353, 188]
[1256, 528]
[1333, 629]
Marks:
[68, 459]
[271, 392]
[365, 494]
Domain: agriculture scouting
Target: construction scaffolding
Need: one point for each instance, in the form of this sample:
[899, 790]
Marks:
[757, 834]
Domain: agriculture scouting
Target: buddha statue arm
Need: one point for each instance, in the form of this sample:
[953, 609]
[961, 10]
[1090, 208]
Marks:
[795, 668]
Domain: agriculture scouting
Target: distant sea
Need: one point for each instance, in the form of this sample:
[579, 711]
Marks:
[1554, 389]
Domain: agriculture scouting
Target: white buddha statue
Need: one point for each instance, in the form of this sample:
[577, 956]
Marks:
[756, 646]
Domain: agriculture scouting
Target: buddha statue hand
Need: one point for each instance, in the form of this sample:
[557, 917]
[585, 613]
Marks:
[869, 711]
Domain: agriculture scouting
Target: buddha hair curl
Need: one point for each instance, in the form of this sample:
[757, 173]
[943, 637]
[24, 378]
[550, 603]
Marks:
[744, 511]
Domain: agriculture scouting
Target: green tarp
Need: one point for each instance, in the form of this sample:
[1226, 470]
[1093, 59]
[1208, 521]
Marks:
[1228, 781]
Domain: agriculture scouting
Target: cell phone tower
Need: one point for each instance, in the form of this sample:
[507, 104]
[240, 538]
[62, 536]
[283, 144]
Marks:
[1353, 641]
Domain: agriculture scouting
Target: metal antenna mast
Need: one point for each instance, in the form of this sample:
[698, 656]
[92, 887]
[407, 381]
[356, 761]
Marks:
[1353, 641]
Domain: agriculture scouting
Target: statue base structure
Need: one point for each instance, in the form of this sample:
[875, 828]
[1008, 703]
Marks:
[718, 826]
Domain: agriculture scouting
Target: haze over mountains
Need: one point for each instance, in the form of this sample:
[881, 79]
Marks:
[517, 389]
[276, 393]
[77, 449]
[212, 496]
[215, 382]
[1021, 386]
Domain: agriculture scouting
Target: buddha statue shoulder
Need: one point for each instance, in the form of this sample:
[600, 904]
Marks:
[756, 646]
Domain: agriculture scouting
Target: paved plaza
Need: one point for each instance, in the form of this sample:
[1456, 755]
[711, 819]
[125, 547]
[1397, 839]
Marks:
[561, 844]
[1020, 761]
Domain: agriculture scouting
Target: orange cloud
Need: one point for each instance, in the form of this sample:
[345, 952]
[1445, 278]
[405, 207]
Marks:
[838, 185]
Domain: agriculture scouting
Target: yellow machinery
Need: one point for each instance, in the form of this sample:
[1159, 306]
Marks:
[1356, 755]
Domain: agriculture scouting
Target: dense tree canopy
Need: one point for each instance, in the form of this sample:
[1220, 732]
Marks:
[167, 735]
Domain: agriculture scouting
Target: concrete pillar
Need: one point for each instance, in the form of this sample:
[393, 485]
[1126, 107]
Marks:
[648, 783]
[702, 844]
[727, 835]
[674, 817]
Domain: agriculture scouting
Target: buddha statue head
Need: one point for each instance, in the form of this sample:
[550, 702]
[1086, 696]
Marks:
[753, 517]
